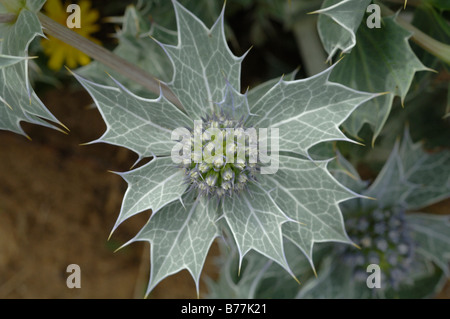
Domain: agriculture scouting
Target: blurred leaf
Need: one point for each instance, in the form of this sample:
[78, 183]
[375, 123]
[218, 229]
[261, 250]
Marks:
[428, 20]
[428, 278]
[346, 174]
[432, 234]
[412, 177]
[335, 280]
[447, 108]
[259, 277]
[136, 46]
[242, 284]
[429, 172]
[440, 4]
[382, 61]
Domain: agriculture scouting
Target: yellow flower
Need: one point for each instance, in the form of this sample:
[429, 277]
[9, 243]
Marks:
[61, 53]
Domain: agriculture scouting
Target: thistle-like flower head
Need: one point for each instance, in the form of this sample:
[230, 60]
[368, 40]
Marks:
[219, 160]
[385, 240]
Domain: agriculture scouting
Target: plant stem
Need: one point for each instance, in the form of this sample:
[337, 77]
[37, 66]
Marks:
[309, 45]
[438, 49]
[102, 55]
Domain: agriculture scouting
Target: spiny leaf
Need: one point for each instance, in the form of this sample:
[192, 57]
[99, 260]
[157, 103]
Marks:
[346, 174]
[35, 5]
[391, 186]
[307, 193]
[412, 177]
[151, 186]
[255, 221]
[248, 280]
[203, 64]
[142, 125]
[382, 61]
[307, 111]
[7, 60]
[259, 278]
[18, 101]
[260, 90]
[432, 234]
[335, 280]
[234, 104]
[338, 22]
[180, 238]
[430, 172]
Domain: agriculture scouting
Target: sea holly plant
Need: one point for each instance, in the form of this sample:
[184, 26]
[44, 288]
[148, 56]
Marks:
[248, 166]
[411, 248]
[216, 187]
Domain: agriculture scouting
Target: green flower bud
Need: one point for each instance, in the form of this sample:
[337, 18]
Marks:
[211, 178]
[211, 174]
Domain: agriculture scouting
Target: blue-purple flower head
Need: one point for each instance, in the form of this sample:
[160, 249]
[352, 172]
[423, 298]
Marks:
[385, 240]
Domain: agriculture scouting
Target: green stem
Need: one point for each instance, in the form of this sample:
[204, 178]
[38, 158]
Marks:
[309, 45]
[438, 49]
[102, 55]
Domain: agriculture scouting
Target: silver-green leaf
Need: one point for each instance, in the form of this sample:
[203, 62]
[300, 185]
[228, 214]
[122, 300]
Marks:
[338, 22]
[381, 61]
[307, 193]
[7, 60]
[180, 238]
[203, 64]
[151, 186]
[432, 234]
[412, 177]
[255, 221]
[18, 101]
[306, 112]
[142, 125]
